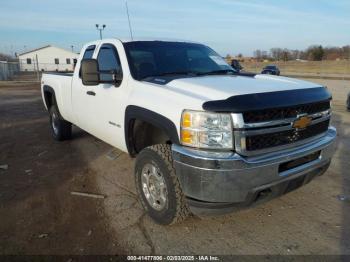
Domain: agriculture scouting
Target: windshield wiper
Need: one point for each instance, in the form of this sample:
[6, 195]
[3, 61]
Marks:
[188, 73]
[218, 72]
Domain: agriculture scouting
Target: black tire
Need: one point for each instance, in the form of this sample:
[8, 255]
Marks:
[176, 209]
[61, 129]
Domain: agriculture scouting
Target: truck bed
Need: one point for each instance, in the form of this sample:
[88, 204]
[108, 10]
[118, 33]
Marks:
[61, 83]
[59, 73]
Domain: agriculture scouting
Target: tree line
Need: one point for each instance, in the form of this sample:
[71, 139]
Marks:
[4, 57]
[313, 53]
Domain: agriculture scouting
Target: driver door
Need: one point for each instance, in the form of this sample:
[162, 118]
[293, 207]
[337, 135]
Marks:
[108, 100]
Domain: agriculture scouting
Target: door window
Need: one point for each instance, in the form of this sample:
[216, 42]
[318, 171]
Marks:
[108, 60]
[89, 51]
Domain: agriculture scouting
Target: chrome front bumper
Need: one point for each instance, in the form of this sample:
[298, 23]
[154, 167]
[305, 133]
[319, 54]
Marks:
[219, 182]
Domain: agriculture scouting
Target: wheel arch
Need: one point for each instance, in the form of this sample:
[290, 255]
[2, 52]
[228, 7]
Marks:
[163, 124]
[49, 96]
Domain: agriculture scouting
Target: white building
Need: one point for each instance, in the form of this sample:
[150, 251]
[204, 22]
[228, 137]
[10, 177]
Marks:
[47, 58]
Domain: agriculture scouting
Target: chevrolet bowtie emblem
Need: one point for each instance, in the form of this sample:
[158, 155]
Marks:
[302, 122]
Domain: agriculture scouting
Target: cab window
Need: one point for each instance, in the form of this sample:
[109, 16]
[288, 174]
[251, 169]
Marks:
[89, 51]
[108, 60]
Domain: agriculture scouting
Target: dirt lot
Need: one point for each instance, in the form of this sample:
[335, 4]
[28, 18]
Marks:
[38, 215]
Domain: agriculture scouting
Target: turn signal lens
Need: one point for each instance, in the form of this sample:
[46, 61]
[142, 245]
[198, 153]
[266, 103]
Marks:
[186, 119]
[186, 136]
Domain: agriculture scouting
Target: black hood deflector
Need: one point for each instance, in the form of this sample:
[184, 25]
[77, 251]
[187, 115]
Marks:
[261, 101]
[163, 80]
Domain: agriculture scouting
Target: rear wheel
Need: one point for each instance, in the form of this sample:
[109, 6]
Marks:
[61, 129]
[158, 187]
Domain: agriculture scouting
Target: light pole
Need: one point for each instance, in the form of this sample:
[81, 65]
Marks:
[100, 29]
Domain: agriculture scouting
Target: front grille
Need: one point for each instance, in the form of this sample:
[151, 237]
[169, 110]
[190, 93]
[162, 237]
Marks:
[282, 113]
[263, 141]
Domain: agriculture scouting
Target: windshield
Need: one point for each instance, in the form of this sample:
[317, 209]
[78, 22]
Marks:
[271, 67]
[158, 58]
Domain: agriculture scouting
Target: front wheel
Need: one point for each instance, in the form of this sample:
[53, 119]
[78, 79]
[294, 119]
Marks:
[61, 129]
[158, 187]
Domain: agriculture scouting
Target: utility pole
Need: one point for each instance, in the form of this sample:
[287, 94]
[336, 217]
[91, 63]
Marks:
[100, 29]
[37, 68]
[11, 51]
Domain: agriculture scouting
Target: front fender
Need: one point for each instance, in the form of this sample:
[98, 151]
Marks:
[135, 112]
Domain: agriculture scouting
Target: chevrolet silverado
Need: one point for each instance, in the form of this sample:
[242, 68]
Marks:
[206, 138]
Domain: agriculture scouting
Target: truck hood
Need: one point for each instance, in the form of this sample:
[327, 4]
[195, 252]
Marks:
[222, 87]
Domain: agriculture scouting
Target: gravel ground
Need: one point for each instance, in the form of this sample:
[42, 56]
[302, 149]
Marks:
[39, 215]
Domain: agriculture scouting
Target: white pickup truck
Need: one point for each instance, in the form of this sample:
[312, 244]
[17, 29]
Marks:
[206, 138]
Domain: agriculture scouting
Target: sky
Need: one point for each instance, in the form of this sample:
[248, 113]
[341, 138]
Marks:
[228, 26]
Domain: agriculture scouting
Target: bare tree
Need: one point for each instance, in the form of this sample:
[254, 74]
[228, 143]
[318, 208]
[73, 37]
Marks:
[257, 54]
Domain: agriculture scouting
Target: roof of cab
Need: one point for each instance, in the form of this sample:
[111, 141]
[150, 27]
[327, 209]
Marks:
[129, 40]
[126, 40]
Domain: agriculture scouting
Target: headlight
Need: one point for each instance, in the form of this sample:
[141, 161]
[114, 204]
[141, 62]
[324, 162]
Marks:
[206, 130]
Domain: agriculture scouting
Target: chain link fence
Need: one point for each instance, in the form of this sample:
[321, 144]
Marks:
[30, 71]
[8, 70]
[31, 65]
[22, 70]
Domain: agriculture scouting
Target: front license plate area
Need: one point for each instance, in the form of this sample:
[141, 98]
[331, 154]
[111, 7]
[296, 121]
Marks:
[298, 162]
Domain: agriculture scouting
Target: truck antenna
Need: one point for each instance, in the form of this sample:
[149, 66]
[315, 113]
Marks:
[127, 12]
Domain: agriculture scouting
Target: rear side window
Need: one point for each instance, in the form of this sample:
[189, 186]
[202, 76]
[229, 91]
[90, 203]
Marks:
[108, 60]
[89, 51]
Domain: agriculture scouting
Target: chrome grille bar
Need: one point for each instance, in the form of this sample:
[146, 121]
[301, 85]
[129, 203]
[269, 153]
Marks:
[243, 130]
